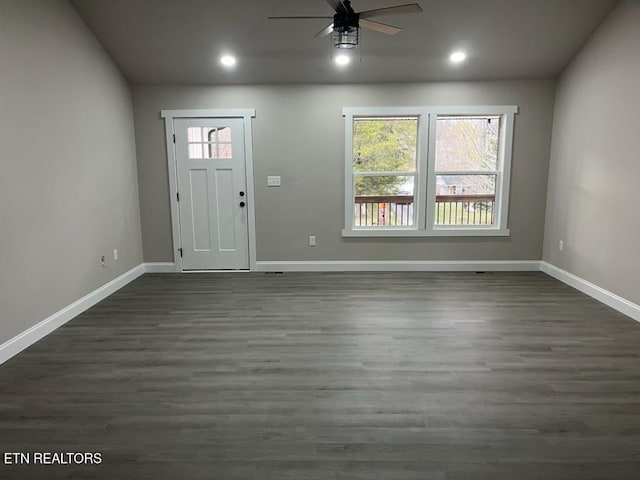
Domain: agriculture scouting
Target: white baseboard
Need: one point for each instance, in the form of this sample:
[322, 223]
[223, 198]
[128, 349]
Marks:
[30, 336]
[401, 266]
[160, 267]
[370, 266]
[608, 298]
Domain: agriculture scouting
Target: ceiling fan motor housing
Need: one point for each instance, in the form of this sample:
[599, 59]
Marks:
[346, 28]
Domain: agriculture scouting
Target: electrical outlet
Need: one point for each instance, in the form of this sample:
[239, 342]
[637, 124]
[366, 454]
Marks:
[115, 254]
[102, 261]
[312, 240]
[561, 246]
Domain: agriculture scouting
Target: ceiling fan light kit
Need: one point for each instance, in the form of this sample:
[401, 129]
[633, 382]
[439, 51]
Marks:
[345, 28]
[346, 37]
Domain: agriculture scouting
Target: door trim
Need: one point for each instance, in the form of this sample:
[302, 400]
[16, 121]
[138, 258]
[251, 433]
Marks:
[246, 114]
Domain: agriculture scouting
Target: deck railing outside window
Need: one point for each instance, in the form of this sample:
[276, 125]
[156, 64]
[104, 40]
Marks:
[397, 210]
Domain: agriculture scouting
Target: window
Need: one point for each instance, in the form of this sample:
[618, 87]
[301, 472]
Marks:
[466, 169]
[384, 171]
[427, 171]
[209, 142]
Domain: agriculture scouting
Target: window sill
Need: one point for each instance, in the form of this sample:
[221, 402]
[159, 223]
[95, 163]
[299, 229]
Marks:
[439, 232]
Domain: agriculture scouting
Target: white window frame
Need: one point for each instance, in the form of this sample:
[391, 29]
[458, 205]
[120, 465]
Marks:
[425, 187]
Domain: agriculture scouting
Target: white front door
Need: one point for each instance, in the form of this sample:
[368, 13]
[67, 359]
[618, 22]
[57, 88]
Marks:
[212, 193]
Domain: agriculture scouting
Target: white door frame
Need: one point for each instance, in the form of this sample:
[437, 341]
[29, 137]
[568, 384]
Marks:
[246, 114]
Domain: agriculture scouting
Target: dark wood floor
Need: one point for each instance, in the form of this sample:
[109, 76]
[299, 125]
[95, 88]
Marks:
[326, 376]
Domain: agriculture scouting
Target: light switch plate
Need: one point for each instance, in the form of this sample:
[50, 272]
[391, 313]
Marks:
[273, 180]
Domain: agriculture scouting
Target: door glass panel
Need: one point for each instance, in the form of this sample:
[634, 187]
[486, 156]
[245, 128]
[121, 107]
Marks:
[212, 150]
[210, 134]
[224, 150]
[209, 142]
[194, 134]
[195, 150]
[224, 134]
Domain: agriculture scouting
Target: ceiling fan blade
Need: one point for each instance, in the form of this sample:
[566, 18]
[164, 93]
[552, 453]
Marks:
[337, 5]
[399, 10]
[380, 27]
[296, 18]
[324, 32]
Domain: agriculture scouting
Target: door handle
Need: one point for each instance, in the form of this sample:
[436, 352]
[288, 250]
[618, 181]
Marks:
[242, 204]
[242, 194]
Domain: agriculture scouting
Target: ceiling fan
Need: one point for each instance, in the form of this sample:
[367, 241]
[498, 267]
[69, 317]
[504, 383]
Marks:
[347, 22]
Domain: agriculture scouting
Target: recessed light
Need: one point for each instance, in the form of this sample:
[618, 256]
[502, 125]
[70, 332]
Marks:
[228, 60]
[342, 60]
[458, 57]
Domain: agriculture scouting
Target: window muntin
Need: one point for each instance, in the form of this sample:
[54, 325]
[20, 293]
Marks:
[472, 159]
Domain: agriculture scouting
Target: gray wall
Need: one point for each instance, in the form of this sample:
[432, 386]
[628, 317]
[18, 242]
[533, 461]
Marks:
[595, 160]
[68, 187]
[299, 134]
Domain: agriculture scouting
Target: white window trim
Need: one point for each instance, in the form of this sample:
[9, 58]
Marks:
[424, 201]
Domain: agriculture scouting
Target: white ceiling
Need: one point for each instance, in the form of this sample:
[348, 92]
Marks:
[180, 41]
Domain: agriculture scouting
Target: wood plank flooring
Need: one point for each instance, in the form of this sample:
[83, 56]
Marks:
[445, 376]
